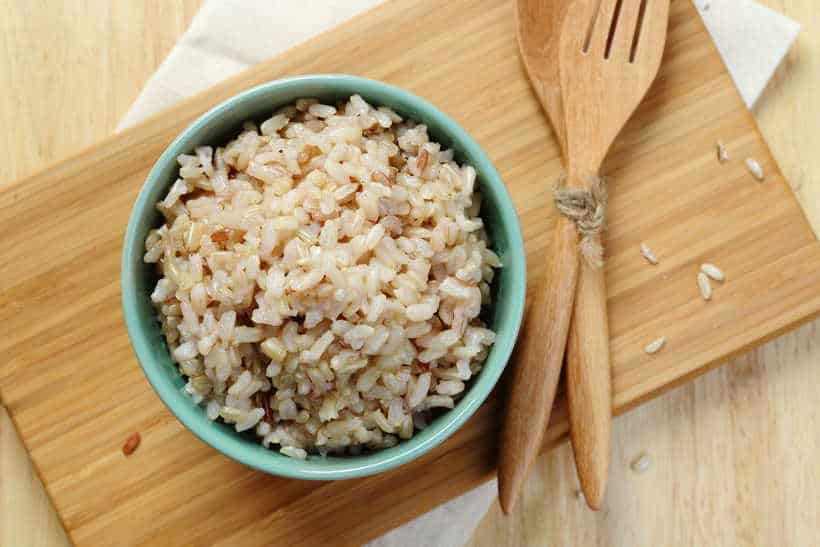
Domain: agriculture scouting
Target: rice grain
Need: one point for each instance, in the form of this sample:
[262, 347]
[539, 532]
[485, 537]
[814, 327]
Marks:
[713, 272]
[722, 152]
[755, 169]
[655, 345]
[641, 463]
[704, 286]
[131, 443]
[321, 278]
[648, 254]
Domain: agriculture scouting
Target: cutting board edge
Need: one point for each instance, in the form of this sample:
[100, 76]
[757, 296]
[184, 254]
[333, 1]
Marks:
[750, 117]
[711, 365]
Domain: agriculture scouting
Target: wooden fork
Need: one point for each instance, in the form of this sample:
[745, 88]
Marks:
[538, 25]
[604, 76]
[609, 53]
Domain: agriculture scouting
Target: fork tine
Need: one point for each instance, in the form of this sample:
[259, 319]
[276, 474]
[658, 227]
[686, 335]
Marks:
[653, 33]
[599, 33]
[576, 23]
[625, 32]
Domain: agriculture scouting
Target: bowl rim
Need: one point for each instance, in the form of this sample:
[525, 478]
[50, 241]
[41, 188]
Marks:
[270, 461]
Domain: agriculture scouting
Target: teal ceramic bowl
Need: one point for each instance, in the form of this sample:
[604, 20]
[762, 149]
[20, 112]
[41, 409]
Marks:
[221, 124]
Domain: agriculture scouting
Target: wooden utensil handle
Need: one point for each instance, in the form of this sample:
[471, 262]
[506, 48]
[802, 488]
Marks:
[538, 365]
[589, 384]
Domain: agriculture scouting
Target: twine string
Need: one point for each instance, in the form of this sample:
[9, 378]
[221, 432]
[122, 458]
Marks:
[586, 207]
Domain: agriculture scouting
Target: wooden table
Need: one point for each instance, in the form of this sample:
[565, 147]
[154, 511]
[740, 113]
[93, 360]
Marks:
[733, 455]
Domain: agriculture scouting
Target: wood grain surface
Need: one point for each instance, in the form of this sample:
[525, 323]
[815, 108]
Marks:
[755, 413]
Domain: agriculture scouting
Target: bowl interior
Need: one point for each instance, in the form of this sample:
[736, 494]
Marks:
[222, 124]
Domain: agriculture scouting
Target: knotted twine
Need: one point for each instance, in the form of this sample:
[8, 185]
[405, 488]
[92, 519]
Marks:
[586, 207]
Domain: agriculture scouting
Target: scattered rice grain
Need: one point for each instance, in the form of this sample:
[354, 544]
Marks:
[755, 168]
[648, 254]
[655, 345]
[131, 443]
[722, 152]
[704, 286]
[641, 463]
[713, 271]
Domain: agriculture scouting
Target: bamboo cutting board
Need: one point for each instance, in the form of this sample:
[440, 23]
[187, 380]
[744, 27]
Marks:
[76, 392]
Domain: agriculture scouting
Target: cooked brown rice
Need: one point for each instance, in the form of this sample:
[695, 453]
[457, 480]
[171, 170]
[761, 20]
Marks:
[322, 276]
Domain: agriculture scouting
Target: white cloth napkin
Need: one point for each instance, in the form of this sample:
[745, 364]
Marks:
[224, 39]
[751, 38]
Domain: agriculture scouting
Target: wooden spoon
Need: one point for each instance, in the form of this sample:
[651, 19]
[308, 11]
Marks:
[605, 73]
[538, 28]
[541, 345]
